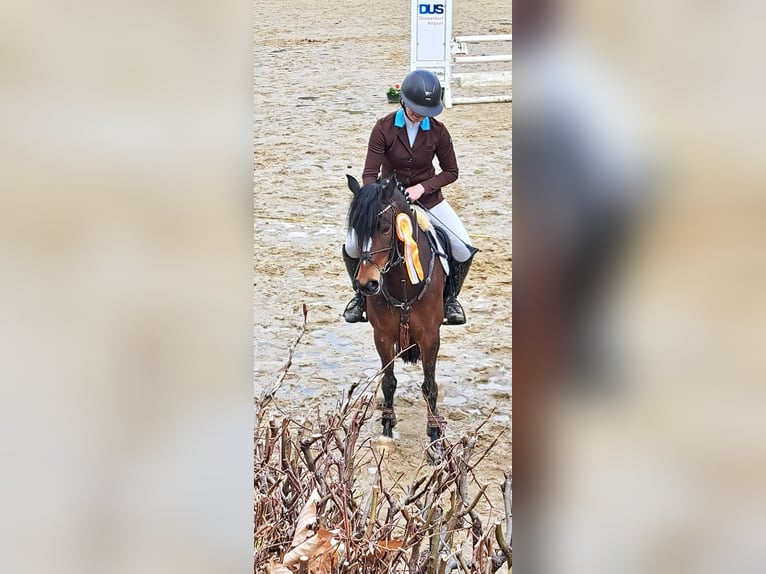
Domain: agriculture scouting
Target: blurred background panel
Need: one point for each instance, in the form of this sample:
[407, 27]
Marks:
[639, 200]
[126, 291]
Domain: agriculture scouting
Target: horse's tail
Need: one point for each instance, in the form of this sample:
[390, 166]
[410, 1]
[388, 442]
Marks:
[411, 354]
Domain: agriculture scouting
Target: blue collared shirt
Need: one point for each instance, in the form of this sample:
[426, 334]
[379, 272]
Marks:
[412, 127]
[425, 124]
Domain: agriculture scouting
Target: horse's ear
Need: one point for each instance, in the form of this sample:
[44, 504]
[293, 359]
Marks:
[388, 189]
[353, 184]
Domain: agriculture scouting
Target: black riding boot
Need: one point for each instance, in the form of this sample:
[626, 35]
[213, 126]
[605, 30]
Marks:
[354, 312]
[453, 311]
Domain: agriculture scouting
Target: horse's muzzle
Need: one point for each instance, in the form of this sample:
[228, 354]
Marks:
[370, 288]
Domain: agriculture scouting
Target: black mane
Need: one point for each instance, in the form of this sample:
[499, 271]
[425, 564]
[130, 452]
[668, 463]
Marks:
[367, 204]
[363, 211]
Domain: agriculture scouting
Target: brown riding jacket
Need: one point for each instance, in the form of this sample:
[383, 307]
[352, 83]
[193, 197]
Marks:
[390, 153]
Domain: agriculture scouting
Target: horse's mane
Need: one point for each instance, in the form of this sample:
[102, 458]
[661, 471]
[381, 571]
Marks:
[363, 211]
[367, 203]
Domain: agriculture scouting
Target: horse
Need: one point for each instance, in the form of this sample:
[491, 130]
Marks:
[402, 280]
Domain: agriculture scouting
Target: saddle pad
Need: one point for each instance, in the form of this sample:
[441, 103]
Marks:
[423, 220]
[424, 223]
[438, 247]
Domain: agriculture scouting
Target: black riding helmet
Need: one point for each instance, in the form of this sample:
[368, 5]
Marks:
[422, 93]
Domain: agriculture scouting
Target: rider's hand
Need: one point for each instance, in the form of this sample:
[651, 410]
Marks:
[414, 193]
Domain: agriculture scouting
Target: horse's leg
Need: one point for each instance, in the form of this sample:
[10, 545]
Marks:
[385, 346]
[389, 388]
[430, 391]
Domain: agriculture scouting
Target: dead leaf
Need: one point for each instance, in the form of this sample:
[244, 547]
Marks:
[306, 519]
[380, 549]
[313, 547]
[389, 545]
[325, 562]
[274, 568]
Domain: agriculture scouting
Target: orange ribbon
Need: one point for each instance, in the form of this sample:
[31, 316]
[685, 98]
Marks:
[411, 252]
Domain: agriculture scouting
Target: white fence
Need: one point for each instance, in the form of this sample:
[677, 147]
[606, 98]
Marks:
[480, 78]
[433, 48]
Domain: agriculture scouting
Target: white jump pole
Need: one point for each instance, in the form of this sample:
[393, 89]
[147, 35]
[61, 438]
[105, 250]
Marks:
[475, 59]
[487, 38]
[481, 100]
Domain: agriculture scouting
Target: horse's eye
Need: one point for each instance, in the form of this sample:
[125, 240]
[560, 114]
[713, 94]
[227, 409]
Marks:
[385, 228]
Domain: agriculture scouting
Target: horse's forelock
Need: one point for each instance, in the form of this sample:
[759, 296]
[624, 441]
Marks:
[363, 211]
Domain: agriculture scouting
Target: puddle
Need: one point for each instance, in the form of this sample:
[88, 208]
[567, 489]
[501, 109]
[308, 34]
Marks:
[338, 342]
[455, 401]
[492, 386]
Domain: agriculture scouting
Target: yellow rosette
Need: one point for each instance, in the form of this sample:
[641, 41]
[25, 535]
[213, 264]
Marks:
[411, 252]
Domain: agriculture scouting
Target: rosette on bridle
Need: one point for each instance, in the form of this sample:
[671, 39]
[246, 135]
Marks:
[411, 252]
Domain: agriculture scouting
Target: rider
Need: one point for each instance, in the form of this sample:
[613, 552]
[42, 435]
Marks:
[404, 143]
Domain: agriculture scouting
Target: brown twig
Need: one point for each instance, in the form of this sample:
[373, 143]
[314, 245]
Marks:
[503, 545]
[489, 448]
[507, 489]
[268, 395]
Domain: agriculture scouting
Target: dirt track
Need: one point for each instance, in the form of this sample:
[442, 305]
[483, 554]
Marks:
[321, 72]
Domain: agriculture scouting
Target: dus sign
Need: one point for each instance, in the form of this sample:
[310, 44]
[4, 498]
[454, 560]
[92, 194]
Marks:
[431, 8]
[431, 29]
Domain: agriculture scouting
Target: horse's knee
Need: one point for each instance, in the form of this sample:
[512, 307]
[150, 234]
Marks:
[388, 394]
[429, 389]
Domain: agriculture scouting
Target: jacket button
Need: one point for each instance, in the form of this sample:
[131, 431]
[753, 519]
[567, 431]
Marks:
[410, 160]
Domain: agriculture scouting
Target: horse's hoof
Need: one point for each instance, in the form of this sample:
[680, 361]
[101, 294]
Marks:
[435, 453]
[385, 445]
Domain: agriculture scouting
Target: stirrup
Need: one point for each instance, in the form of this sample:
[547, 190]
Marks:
[453, 312]
[354, 311]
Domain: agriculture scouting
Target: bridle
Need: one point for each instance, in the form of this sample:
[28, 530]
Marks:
[396, 258]
[393, 246]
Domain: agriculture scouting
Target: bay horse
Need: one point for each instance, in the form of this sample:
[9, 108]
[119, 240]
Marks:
[404, 297]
